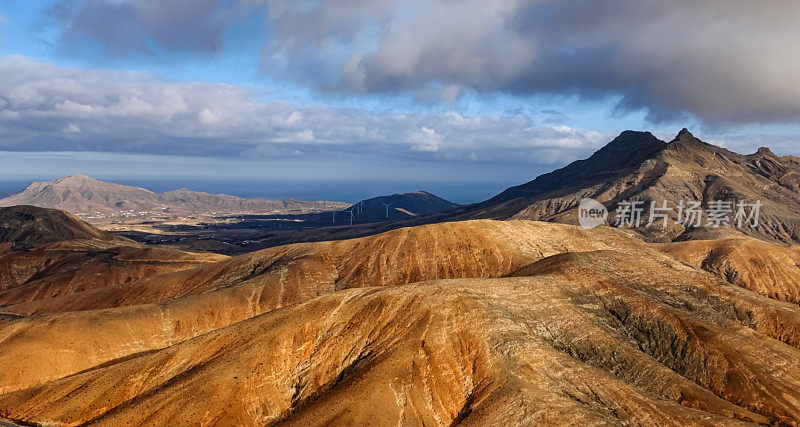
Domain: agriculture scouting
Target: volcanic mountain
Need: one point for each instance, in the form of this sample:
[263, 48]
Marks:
[82, 195]
[46, 253]
[639, 166]
[34, 226]
[400, 206]
[475, 322]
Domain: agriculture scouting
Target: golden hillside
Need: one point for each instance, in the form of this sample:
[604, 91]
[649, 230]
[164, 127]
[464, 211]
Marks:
[475, 322]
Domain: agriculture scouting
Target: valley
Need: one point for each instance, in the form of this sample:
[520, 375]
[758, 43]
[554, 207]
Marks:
[249, 213]
[426, 317]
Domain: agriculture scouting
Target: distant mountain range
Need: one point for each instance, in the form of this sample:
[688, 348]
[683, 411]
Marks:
[639, 166]
[634, 166]
[85, 196]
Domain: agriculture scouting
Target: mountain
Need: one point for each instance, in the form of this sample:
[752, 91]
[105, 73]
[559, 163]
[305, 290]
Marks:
[639, 166]
[33, 226]
[401, 206]
[46, 253]
[475, 322]
[764, 268]
[88, 197]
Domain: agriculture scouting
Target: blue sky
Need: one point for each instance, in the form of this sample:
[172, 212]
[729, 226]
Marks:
[387, 90]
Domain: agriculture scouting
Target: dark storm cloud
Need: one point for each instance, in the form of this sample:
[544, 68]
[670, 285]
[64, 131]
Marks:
[124, 27]
[48, 108]
[723, 61]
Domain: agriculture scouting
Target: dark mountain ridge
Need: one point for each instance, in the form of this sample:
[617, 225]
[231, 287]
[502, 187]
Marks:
[625, 152]
[639, 166]
[395, 207]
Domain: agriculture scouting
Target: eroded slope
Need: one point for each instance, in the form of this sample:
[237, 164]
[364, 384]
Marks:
[536, 323]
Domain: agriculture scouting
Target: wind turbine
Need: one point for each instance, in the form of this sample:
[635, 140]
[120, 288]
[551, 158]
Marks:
[334, 216]
[387, 208]
[351, 214]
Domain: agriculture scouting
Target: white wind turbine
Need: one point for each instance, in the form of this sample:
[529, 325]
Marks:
[387, 208]
[351, 214]
[334, 216]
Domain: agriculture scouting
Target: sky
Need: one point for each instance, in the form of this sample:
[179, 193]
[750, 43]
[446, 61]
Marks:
[469, 92]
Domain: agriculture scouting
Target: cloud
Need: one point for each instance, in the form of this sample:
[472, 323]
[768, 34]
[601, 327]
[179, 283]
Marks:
[748, 143]
[721, 61]
[124, 27]
[426, 139]
[554, 116]
[44, 107]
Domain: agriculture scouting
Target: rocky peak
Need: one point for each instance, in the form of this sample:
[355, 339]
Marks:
[630, 148]
[684, 134]
[634, 141]
[684, 137]
[685, 142]
[75, 178]
[765, 151]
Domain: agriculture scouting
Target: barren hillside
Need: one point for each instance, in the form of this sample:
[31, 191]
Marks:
[476, 322]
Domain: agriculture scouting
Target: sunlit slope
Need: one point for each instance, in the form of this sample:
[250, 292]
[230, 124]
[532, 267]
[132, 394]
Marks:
[512, 322]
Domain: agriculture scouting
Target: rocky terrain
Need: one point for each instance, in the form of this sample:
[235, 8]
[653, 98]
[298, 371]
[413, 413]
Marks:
[639, 166]
[769, 269]
[46, 253]
[33, 226]
[476, 322]
[94, 199]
